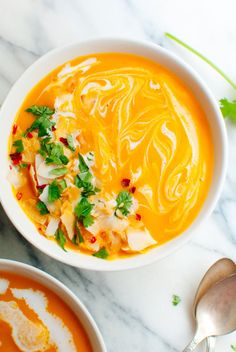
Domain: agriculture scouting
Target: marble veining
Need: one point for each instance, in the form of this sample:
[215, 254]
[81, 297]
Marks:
[133, 309]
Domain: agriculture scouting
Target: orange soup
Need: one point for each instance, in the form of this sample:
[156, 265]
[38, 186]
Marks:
[111, 154]
[34, 319]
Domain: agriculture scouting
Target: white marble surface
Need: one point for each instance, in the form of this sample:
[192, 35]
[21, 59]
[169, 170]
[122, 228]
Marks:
[133, 309]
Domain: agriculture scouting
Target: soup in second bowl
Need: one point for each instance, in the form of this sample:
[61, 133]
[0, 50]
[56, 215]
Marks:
[111, 154]
[34, 319]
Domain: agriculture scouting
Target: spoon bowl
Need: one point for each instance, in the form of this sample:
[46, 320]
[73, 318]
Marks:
[216, 312]
[221, 269]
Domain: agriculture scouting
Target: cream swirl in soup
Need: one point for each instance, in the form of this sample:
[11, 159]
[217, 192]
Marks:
[116, 155]
[34, 319]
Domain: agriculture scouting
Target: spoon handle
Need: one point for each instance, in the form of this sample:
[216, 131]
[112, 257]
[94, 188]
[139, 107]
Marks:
[193, 344]
[210, 342]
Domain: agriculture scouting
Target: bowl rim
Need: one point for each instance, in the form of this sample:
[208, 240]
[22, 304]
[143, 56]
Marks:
[9, 265]
[179, 241]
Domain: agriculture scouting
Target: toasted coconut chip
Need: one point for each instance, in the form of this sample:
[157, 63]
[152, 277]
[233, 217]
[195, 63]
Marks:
[27, 335]
[15, 178]
[44, 171]
[33, 178]
[94, 247]
[108, 223]
[68, 219]
[31, 146]
[52, 226]
[41, 180]
[139, 239]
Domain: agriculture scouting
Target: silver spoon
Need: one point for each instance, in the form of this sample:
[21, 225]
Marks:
[215, 312]
[218, 271]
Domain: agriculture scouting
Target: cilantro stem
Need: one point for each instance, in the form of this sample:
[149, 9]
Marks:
[209, 62]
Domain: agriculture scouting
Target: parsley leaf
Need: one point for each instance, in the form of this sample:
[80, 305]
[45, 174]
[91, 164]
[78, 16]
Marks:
[54, 192]
[123, 202]
[53, 152]
[83, 210]
[62, 184]
[84, 178]
[19, 146]
[83, 167]
[228, 108]
[42, 208]
[70, 143]
[176, 300]
[102, 253]
[60, 238]
[23, 165]
[39, 110]
[78, 233]
[59, 171]
[233, 348]
[42, 123]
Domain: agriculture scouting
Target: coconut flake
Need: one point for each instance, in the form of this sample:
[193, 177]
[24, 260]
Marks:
[139, 239]
[15, 178]
[52, 226]
[68, 220]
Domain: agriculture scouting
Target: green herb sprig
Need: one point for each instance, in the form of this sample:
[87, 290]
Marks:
[228, 108]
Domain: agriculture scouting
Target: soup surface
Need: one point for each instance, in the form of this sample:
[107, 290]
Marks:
[34, 319]
[110, 154]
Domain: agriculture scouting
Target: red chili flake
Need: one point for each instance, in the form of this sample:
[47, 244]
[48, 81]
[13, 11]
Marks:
[63, 140]
[132, 189]
[41, 187]
[53, 128]
[19, 195]
[14, 129]
[138, 217]
[30, 135]
[10, 167]
[16, 158]
[28, 167]
[125, 182]
[93, 239]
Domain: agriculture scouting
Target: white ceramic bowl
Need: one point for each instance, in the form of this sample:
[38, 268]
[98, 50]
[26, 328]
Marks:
[57, 57]
[64, 293]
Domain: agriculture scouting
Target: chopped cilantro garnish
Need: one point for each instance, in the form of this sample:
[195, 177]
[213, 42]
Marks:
[228, 108]
[102, 253]
[70, 143]
[123, 202]
[53, 152]
[83, 167]
[19, 146]
[84, 178]
[83, 210]
[64, 159]
[39, 110]
[23, 165]
[77, 236]
[59, 171]
[42, 208]
[176, 300]
[62, 184]
[54, 192]
[60, 238]
[42, 123]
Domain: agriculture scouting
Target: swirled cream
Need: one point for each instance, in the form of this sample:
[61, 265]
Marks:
[123, 146]
[34, 319]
